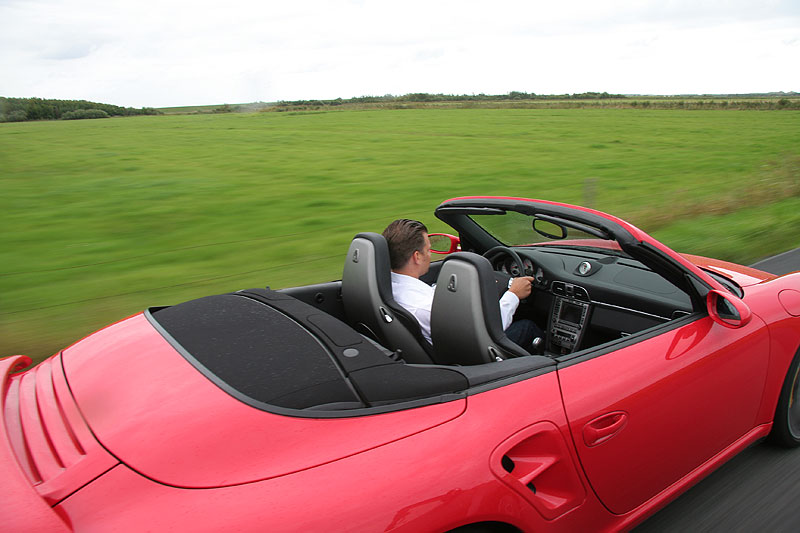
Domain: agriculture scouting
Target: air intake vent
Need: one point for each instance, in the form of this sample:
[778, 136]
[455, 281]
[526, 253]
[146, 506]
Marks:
[55, 448]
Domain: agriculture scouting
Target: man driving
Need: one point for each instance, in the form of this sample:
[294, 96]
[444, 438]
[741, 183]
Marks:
[410, 258]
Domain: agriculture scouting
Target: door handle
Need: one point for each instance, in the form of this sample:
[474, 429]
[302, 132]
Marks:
[604, 427]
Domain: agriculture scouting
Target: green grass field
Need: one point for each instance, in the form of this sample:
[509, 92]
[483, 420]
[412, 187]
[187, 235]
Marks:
[102, 218]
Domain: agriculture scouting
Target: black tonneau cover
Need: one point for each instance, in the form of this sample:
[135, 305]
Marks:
[269, 349]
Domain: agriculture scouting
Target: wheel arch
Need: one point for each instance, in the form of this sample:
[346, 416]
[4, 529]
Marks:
[779, 434]
[486, 527]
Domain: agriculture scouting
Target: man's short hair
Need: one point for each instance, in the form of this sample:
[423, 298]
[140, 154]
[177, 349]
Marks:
[404, 237]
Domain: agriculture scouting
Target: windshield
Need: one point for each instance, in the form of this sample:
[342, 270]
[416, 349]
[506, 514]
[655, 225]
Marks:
[516, 229]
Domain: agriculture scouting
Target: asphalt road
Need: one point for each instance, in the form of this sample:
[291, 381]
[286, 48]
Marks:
[759, 490]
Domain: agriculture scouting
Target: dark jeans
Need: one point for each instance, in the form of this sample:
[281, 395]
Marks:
[523, 332]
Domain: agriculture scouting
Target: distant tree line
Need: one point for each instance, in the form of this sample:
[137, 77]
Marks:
[22, 109]
[523, 100]
[717, 103]
[427, 97]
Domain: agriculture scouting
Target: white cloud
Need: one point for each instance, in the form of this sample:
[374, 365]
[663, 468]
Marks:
[184, 53]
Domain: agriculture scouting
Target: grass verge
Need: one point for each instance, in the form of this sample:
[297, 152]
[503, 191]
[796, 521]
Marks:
[104, 218]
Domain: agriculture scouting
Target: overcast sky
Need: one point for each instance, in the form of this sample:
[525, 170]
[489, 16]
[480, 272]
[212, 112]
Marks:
[169, 53]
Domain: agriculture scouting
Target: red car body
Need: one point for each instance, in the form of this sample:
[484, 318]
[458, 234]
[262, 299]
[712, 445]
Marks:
[120, 432]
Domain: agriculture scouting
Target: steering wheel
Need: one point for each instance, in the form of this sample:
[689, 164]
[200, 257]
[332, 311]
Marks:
[502, 278]
[498, 251]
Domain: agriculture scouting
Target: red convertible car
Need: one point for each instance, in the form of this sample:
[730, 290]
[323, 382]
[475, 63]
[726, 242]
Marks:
[322, 408]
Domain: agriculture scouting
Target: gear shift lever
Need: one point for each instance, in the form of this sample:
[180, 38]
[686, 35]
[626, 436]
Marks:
[537, 346]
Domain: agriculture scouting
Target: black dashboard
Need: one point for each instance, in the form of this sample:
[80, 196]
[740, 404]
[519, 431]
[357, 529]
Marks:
[588, 297]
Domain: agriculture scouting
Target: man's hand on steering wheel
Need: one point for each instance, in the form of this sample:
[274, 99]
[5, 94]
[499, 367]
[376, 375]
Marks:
[521, 286]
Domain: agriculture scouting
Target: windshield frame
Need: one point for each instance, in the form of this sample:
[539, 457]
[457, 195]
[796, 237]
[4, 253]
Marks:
[519, 229]
[637, 244]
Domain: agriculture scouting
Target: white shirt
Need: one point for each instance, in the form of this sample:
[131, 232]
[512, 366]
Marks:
[416, 297]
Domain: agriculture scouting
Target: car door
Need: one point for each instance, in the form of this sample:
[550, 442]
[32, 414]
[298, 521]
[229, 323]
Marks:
[646, 414]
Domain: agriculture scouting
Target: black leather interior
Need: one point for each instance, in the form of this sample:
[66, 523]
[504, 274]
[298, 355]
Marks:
[369, 305]
[466, 327]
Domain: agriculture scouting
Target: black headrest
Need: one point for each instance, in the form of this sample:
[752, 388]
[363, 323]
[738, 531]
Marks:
[489, 329]
[489, 300]
[403, 334]
[383, 266]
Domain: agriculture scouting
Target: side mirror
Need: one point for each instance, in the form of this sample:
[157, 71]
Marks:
[727, 310]
[443, 243]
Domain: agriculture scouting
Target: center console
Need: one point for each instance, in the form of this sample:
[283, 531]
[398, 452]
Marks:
[568, 318]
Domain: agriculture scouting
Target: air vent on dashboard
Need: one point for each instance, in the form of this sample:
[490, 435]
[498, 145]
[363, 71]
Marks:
[568, 290]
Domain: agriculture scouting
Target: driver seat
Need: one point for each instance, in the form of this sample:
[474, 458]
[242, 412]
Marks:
[466, 327]
[370, 306]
